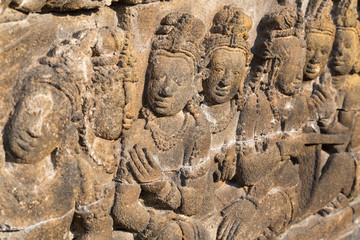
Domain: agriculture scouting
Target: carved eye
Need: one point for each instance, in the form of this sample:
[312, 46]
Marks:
[237, 73]
[161, 78]
[219, 70]
[347, 45]
[178, 81]
[34, 112]
[324, 51]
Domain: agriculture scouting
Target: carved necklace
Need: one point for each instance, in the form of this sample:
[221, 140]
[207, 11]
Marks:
[273, 98]
[338, 82]
[164, 141]
[221, 125]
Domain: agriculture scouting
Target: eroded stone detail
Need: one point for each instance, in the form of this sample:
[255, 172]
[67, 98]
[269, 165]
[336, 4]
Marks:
[228, 124]
[62, 6]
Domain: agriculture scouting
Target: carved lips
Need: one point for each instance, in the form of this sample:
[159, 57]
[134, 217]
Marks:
[313, 68]
[222, 91]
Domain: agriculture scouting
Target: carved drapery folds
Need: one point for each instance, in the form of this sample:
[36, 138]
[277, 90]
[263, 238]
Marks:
[226, 125]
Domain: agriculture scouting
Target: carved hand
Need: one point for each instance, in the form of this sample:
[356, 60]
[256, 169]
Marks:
[238, 214]
[289, 146]
[324, 101]
[227, 163]
[129, 109]
[129, 116]
[143, 166]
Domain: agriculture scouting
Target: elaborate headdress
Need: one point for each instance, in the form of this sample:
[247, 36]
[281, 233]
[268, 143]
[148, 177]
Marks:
[45, 75]
[347, 16]
[65, 83]
[320, 21]
[230, 29]
[274, 43]
[180, 33]
[285, 22]
[112, 48]
[69, 64]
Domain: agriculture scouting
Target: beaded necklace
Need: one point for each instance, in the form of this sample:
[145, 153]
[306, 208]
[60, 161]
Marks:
[163, 140]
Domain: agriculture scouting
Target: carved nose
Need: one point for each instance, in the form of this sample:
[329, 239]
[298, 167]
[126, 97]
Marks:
[167, 90]
[299, 75]
[225, 80]
[35, 129]
[315, 58]
[338, 50]
[34, 124]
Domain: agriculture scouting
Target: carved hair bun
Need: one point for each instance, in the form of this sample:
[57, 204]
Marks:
[49, 76]
[321, 21]
[347, 16]
[180, 33]
[284, 22]
[232, 21]
[230, 29]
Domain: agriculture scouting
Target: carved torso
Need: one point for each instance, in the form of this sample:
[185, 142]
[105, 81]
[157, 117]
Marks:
[56, 193]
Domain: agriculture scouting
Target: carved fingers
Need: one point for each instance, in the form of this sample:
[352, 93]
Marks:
[127, 122]
[143, 166]
[123, 174]
[228, 166]
[129, 116]
[289, 146]
[324, 100]
[235, 216]
[228, 229]
[226, 160]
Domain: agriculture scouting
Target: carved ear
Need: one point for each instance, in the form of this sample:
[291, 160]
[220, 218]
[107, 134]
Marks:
[198, 82]
[356, 67]
[246, 73]
[204, 73]
[200, 77]
[249, 57]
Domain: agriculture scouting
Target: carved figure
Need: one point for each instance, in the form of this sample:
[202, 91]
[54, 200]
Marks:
[38, 166]
[109, 103]
[225, 65]
[108, 107]
[344, 65]
[44, 143]
[228, 55]
[274, 109]
[165, 156]
[320, 34]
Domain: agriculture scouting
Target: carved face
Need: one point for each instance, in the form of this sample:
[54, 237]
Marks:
[317, 54]
[170, 83]
[290, 72]
[227, 72]
[38, 125]
[345, 52]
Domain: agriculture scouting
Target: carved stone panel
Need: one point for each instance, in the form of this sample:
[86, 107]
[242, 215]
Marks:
[195, 120]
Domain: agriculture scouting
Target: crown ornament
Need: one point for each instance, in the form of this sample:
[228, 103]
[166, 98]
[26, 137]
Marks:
[347, 16]
[321, 21]
[230, 29]
[180, 33]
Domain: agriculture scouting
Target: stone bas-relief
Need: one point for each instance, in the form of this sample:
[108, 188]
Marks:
[61, 5]
[52, 135]
[201, 135]
[166, 160]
